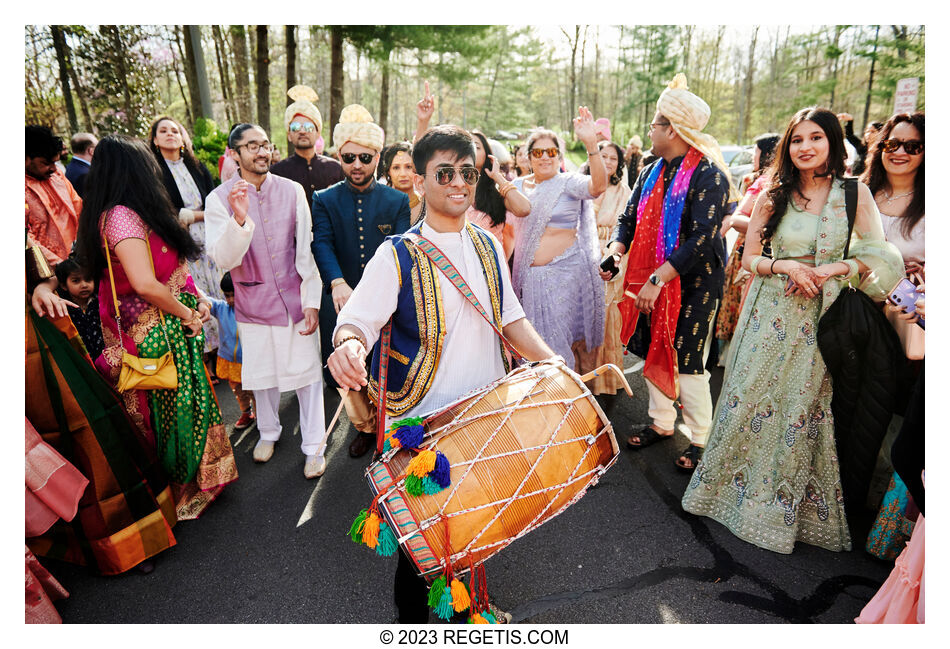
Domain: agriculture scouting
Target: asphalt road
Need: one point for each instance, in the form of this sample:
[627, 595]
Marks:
[274, 549]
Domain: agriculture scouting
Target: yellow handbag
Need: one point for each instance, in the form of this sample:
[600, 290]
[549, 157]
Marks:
[143, 373]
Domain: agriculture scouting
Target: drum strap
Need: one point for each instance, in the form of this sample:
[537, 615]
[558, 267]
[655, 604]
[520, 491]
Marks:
[384, 341]
[442, 262]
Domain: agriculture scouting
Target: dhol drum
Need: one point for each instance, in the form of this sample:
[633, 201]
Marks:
[522, 450]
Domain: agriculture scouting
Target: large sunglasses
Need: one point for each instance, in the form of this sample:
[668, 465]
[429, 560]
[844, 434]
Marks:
[300, 126]
[445, 175]
[911, 147]
[350, 158]
[551, 151]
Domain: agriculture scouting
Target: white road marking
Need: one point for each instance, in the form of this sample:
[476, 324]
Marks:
[634, 369]
[244, 434]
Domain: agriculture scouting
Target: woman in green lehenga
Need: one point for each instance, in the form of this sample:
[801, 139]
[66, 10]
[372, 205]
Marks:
[128, 215]
[770, 472]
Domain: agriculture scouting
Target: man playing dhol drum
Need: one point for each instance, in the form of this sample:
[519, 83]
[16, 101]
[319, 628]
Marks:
[441, 347]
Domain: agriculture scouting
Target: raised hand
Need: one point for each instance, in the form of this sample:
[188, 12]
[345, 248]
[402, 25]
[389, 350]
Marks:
[426, 106]
[239, 201]
[584, 126]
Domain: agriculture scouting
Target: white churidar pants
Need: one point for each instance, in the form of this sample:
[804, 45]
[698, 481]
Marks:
[312, 425]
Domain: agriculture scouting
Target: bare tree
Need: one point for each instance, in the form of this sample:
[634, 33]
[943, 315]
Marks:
[262, 78]
[221, 57]
[572, 92]
[336, 75]
[746, 114]
[290, 39]
[242, 80]
[62, 58]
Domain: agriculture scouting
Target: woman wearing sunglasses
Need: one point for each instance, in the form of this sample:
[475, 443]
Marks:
[556, 248]
[895, 176]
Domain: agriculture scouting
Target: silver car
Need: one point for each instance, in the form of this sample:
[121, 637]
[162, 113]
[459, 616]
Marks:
[739, 160]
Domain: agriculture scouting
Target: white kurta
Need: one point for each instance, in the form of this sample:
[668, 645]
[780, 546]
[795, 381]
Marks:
[273, 356]
[470, 352]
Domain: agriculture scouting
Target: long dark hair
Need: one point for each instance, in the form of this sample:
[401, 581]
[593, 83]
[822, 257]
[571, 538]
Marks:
[875, 176]
[617, 175]
[785, 177]
[487, 198]
[186, 150]
[124, 172]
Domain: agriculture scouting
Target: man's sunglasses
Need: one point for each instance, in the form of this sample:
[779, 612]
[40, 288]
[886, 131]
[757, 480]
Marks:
[551, 151]
[911, 147]
[350, 158]
[444, 175]
[299, 126]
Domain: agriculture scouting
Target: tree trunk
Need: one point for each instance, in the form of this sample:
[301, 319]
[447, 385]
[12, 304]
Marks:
[750, 73]
[867, 98]
[62, 57]
[290, 38]
[191, 76]
[121, 58]
[336, 76]
[262, 78]
[383, 120]
[196, 54]
[221, 53]
[190, 116]
[242, 79]
[572, 94]
[494, 80]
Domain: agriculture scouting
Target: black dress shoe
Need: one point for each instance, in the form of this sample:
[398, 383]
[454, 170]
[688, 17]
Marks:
[362, 443]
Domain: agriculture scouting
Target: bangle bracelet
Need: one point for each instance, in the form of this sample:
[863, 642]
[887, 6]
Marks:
[337, 282]
[348, 338]
[772, 267]
[504, 191]
[589, 154]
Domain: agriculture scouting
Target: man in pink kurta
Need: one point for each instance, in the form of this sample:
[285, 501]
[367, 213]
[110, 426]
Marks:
[258, 226]
[52, 205]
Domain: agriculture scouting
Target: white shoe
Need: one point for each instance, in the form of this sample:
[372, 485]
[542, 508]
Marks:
[263, 451]
[315, 466]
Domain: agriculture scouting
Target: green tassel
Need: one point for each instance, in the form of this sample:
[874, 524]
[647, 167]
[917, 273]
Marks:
[387, 544]
[356, 529]
[489, 617]
[414, 485]
[408, 421]
[445, 610]
[430, 486]
[387, 446]
[435, 591]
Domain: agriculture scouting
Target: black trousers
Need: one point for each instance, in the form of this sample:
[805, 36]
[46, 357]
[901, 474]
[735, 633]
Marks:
[907, 452]
[411, 593]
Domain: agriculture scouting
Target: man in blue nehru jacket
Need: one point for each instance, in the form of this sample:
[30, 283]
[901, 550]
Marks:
[350, 220]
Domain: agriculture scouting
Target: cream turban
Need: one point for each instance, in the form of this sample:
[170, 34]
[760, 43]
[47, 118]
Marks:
[303, 97]
[688, 114]
[356, 125]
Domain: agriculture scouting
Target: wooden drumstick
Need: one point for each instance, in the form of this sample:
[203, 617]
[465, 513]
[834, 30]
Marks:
[600, 371]
[336, 415]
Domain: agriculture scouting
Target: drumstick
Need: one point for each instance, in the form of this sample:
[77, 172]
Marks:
[336, 415]
[600, 371]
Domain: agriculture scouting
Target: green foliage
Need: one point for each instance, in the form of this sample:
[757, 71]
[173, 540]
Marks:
[209, 144]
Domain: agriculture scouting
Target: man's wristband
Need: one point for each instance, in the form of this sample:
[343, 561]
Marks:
[355, 337]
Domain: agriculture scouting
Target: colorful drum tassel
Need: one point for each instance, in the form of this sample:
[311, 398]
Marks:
[428, 473]
[387, 544]
[371, 530]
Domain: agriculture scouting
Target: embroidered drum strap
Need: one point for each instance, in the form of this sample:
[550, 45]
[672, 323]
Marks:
[443, 264]
[383, 376]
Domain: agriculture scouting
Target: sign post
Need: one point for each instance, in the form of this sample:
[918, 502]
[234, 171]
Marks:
[905, 97]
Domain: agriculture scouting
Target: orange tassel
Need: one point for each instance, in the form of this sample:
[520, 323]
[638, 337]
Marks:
[460, 598]
[422, 464]
[371, 530]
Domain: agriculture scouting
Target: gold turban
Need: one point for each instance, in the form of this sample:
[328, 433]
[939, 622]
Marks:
[356, 125]
[303, 97]
[688, 115]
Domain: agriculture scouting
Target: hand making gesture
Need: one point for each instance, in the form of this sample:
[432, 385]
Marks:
[239, 201]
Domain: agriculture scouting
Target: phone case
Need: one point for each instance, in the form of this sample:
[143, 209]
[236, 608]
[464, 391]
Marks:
[905, 295]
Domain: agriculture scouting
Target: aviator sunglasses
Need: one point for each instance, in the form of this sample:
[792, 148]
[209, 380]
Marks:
[551, 151]
[298, 126]
[911, 147]
[350, 158]
[444, 175]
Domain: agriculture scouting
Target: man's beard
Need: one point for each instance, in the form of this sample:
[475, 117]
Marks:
[367, 178]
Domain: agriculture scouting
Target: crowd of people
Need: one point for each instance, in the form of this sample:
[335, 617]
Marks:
[149, 281]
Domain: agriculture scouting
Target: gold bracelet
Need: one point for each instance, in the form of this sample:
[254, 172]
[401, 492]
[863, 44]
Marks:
[337, 282]
[504, 191]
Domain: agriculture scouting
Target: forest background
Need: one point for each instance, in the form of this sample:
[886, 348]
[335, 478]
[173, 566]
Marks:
[501, 79]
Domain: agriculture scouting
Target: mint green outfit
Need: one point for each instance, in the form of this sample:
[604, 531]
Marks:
[770, 470]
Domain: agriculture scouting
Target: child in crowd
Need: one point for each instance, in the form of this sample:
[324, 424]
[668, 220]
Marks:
[77, 285]
[229, 351]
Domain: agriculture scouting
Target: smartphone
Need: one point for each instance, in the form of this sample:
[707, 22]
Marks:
[905, 295]
[609, 265]
[789, 285]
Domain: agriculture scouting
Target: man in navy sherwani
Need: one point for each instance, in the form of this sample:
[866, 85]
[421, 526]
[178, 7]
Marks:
[350, 220]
